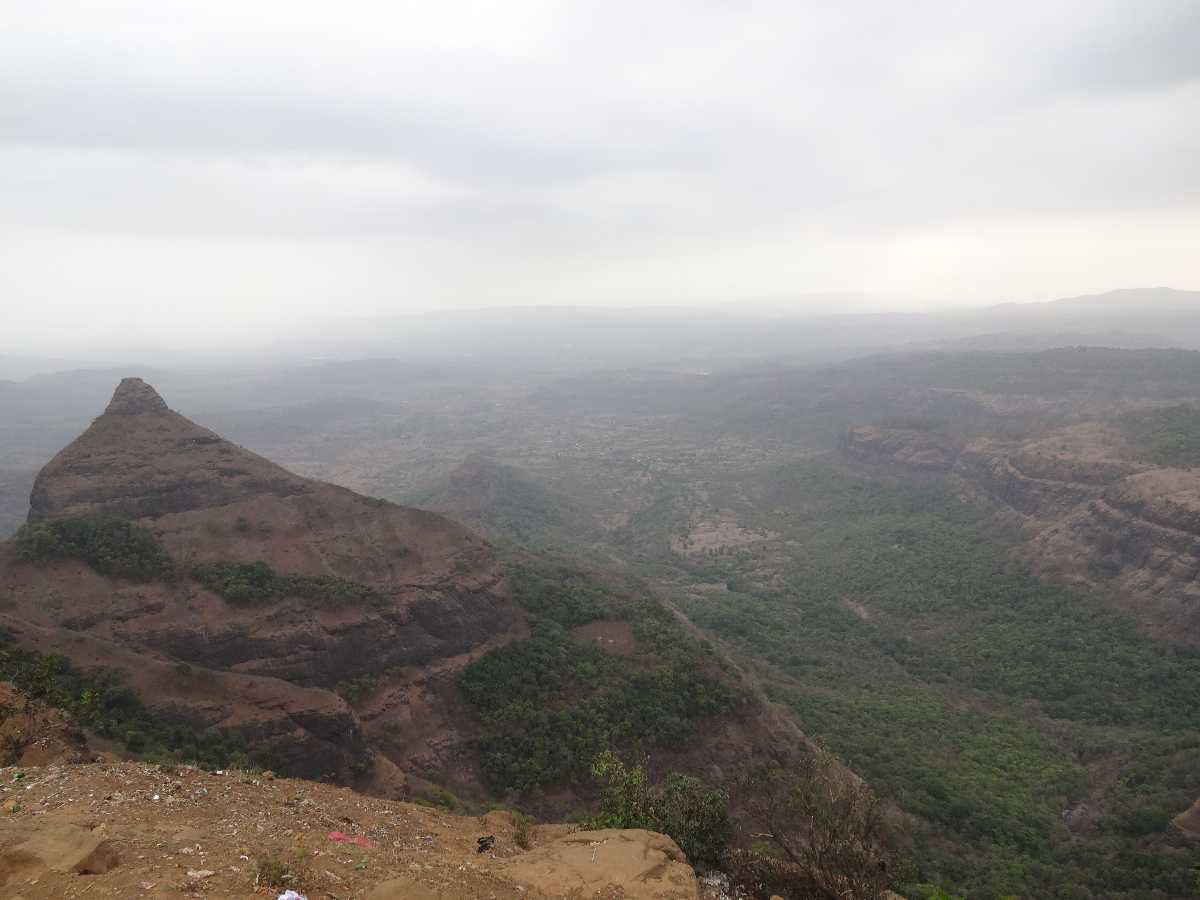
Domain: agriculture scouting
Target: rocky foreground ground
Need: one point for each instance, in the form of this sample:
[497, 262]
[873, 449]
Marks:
[141, 830]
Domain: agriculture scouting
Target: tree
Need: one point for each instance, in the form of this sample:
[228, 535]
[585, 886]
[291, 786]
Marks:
[826, 824]
[37, 543]
[684, 808]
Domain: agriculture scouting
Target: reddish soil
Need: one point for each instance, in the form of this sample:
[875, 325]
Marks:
[614, 636]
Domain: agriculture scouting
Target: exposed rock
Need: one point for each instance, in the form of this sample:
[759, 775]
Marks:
[64, 847]
[1142, 537]
[134, 397]
[638, 865]
[1094, 517]
[409, 889]
[1186, 825]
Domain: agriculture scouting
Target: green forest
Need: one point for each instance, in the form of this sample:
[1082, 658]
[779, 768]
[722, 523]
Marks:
[1169, 436]
[553, 702]
[977, 698]
[111, 546]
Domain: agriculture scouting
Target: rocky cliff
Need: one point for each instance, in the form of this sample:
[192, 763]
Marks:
[1094, 514]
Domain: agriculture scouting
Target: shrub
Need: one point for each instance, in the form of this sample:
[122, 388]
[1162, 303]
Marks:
[438, 798]
[111, 546]
[98, 701]
[521, 825]
[826, 823]
[354, 688]
[256, 582]
[691, 812]
[273, 871]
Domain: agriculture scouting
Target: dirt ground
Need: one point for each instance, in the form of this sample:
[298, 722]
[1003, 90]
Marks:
[133, 830]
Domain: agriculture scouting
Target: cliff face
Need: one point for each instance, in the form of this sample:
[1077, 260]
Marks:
[1142, 536]
[1094, 517]
[436, 591]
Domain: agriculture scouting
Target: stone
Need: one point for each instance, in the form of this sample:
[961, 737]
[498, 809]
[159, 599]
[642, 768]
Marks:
[66, 847]
[405, 889]
[643, 865]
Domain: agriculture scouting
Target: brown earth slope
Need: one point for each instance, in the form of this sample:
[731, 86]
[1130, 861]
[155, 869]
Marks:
[267, 670]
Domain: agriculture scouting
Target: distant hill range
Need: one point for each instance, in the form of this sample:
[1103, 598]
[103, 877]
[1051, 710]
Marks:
[1145, 300]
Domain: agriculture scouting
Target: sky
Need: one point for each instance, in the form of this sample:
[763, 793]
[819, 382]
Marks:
[215, 171]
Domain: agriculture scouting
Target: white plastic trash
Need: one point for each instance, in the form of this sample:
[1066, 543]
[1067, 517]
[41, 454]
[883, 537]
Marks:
[291, 895]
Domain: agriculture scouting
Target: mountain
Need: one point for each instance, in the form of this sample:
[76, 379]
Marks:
[305, 585]
[1143, 300]
[346, 637]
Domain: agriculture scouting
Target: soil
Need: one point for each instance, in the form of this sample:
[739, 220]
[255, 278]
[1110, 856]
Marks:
[136, 830]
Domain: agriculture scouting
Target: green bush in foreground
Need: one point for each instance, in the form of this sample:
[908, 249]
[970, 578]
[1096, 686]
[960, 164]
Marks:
[693, 813]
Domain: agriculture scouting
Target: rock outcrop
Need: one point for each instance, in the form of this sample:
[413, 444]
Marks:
[635, 864]
[1095, 517]
[1186, 825]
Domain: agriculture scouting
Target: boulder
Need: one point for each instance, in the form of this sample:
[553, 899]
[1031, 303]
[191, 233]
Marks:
[633, 864]
[1186, 825]
[63, 846]
[407, 889]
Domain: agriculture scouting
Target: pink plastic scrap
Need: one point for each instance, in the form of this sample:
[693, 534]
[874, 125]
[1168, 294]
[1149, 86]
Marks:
[357, 839]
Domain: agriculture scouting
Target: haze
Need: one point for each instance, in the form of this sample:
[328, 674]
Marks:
[210, 174]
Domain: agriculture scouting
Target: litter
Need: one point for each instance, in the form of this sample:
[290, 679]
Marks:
[357, 839]
[486, 843]
[291, 895]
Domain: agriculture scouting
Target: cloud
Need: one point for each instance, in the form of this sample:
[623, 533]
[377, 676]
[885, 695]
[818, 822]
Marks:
[554, 152]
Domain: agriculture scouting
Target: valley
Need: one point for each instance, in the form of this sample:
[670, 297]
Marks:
[976, 589]
[971, 576]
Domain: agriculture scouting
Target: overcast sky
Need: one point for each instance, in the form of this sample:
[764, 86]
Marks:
[176, 170]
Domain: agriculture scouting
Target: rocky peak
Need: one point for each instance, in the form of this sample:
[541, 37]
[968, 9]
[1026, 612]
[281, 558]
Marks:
[434, 590]
[133, 397]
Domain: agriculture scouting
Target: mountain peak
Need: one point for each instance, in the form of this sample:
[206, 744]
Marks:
[133, 397]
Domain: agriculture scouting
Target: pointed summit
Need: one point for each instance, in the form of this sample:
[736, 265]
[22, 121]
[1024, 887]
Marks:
[134, 396]
[141, 459]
